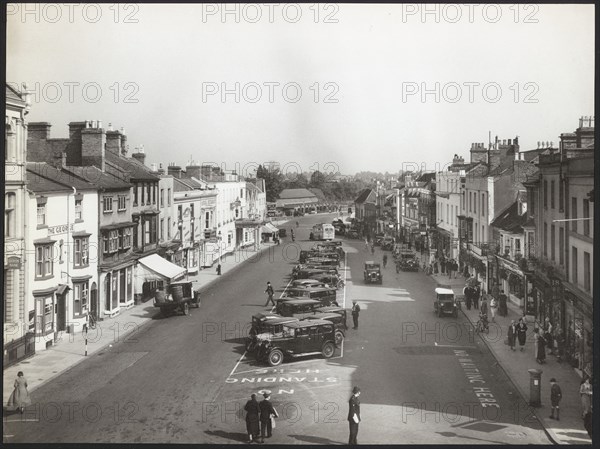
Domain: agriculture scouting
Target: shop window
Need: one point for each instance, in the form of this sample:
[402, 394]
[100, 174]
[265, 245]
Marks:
[586, 271]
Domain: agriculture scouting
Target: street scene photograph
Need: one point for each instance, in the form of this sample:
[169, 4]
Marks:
[299, 224]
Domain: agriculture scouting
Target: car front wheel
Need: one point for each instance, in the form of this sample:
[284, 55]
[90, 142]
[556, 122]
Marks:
[275, 357]
[328, 350]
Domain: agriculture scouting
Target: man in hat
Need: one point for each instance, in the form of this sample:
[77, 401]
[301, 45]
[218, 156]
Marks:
[355, 312]
[269, 291]
[354, 415]
[252, 418]
[555, 397]
[267, 411]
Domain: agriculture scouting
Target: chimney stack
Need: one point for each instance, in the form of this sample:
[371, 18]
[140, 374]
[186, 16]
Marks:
[60, 159]
[161, 170]
[93, 147]
[140, 156]
[174, 170]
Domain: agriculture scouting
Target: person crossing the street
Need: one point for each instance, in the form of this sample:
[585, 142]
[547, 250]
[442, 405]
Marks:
[270, 292]
[355, 313]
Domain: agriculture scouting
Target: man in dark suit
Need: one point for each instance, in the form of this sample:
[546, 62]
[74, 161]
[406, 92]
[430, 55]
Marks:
[355, 313]
[354, 415]
[266, 412]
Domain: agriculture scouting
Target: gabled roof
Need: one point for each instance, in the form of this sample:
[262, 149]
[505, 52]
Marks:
[291, 194]
[127, 168]
[317, 192]
[185, 184]
[42, 177]
[13, 94]
[509, 219]
[97, 177]
[426, 177]
[366, 196]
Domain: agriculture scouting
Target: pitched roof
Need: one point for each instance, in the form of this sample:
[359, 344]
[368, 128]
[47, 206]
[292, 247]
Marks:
[510, 220]
[364, 196]
[185, 184]
[291, 194]
[127, 168]
[317, 192]
[43, 177]
[97, 177]
[13, 94]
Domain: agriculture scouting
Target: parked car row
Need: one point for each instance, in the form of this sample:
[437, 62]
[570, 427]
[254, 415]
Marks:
[307, 318]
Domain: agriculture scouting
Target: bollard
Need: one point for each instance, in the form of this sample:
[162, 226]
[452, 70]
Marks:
[535, 387]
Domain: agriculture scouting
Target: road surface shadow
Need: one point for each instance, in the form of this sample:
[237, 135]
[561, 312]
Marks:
[310, 439]
[234, 436]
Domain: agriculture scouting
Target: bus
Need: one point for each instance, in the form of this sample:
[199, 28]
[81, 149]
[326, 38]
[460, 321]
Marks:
[323, 231]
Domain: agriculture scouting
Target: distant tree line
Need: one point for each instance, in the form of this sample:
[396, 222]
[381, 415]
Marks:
[334, 189]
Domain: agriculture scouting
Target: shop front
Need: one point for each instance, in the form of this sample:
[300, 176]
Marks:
[154, 272]
[578, 315]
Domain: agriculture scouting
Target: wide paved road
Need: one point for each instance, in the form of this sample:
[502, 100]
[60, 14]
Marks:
[185, 379]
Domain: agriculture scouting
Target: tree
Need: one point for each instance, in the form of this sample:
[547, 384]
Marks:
[273, 182]
[318, 180]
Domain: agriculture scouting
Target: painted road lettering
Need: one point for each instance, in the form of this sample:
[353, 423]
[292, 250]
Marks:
[474, 376]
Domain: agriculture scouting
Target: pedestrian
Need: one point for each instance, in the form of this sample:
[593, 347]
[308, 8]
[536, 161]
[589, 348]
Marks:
[512, 333]
[521, 333]
[19, 398]
[540, 346]
[467, 293]
[269, 291]
[559, 343]
[355, 313]
[476, 294]
[252, 418]
[484, 306]
[585, 390]
[456, 268]
[555, 397]
[354, 415]
[493, 308]
[219, 269]
[588, 423]
[443, 265]
[548, 334]
[267, 414]
[502, 304]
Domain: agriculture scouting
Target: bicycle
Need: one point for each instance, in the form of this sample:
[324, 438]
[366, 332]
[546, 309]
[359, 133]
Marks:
[482, 325]
[92, 321]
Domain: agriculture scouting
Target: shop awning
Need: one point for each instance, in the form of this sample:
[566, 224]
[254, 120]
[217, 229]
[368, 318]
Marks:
[268, 228]
[156, 268]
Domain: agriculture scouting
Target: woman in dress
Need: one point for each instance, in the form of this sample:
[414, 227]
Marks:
[521, 332]
[586, 396]
[19, 398]
[252, 418]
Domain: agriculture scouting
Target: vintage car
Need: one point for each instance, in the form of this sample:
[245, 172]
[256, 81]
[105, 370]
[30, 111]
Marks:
[292, 307]
[378, 239]
[177, 298]
[445, 303]
[297, 339]
[326, 295]
[307, 283]
[387, 243]
[325, 261]
[335, 318]
[282, 232]
[407, 261]
[309, 272]
[265, 324]
[372, 273]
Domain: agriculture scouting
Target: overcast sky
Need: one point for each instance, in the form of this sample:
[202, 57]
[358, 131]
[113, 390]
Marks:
[346, 90]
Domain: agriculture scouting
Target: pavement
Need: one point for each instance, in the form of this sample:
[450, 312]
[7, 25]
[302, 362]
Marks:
[569, 430]
[70, 349]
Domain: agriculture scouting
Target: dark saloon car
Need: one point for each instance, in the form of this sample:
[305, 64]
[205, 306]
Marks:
[297, 339]
[372, 273]
[292, 307]
[267, 324]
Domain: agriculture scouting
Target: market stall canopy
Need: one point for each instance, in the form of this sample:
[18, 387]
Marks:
[269, 228]
[156, 268]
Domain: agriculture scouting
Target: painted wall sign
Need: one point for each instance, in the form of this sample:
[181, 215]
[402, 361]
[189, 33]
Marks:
[60, 229]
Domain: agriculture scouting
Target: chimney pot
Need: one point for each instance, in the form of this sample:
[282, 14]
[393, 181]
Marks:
[99, 123]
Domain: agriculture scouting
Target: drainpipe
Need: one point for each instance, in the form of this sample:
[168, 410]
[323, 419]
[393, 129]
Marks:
[69, 240]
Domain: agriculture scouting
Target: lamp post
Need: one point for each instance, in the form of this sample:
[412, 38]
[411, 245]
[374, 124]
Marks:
[220, 239]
